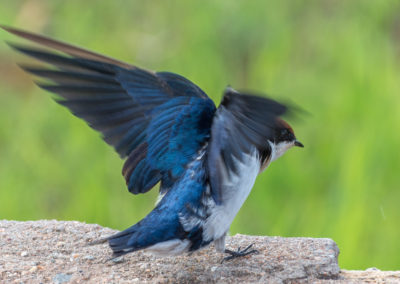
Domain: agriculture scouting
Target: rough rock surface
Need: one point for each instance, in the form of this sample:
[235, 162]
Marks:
[58, 252]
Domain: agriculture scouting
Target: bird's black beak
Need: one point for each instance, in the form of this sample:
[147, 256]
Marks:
[298, 144]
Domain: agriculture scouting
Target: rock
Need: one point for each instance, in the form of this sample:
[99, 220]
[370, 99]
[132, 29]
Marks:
[61, 278]
[89, 257]
[54, 243]
[119, 259]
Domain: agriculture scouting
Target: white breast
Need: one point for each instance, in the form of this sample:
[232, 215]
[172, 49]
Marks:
[235, 189]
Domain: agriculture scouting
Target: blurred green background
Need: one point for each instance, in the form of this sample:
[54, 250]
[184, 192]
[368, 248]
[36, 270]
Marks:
[339, 60]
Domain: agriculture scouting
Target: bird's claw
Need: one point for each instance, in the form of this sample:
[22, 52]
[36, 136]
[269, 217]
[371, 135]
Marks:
[239, 253]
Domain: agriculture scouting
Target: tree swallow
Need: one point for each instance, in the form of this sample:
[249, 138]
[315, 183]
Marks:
[169, 131]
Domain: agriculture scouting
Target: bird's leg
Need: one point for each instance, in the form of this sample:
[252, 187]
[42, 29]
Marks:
[220, 244]
[239, 253]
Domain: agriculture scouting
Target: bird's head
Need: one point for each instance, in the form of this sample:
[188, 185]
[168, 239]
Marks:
[283, 139]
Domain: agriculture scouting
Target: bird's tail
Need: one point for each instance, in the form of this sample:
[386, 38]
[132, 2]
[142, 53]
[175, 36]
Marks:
[118, 242]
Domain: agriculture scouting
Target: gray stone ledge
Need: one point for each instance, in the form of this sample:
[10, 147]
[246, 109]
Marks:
[57, 251]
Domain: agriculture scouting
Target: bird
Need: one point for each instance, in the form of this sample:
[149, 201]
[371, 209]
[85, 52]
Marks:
[205, 159]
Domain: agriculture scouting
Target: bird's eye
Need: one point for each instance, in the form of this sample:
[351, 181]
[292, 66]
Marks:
[285, 134]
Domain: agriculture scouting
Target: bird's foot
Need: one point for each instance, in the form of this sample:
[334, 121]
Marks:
[239, 253]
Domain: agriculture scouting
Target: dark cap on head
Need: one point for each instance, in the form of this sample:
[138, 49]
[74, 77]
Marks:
[284, 133]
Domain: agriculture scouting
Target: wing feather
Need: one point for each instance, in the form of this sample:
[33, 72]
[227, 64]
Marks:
[158, 120]
[241, 124]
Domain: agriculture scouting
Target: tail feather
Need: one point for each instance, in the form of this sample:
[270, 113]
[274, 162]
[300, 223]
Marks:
[119, 243]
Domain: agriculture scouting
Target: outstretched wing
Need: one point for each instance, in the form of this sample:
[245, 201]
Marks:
[241, 124]
[158, 120]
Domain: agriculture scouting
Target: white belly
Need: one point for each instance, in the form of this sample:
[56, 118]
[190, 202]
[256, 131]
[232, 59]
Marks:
[169, 248]
[235, 189]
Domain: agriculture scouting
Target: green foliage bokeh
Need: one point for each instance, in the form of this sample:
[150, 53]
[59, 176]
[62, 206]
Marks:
[339, 60]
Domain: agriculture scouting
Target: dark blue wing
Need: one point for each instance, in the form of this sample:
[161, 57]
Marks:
[241, 123]
[158, 120]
